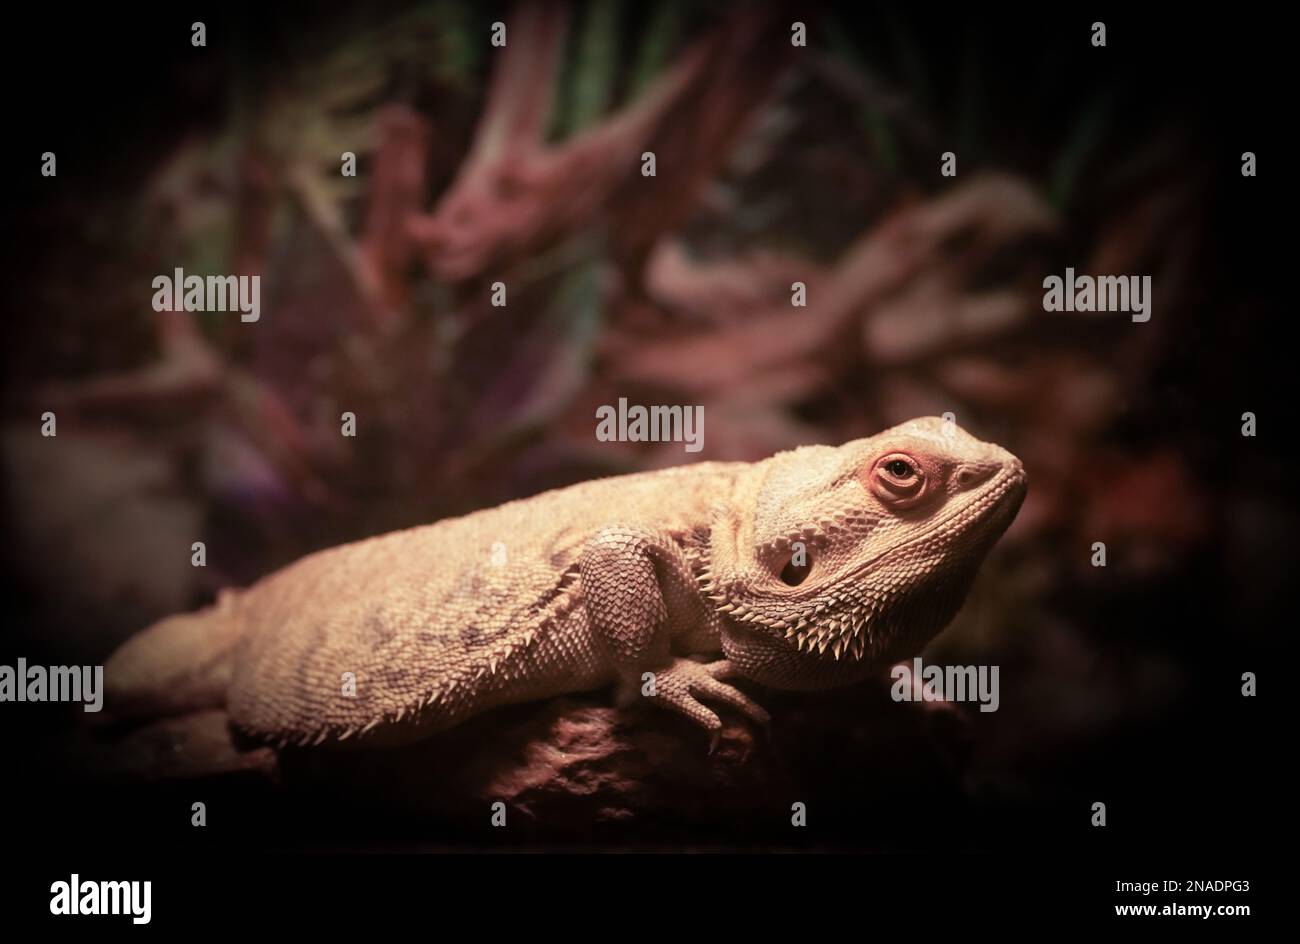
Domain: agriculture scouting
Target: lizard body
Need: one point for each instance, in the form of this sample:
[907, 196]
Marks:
[810, 569]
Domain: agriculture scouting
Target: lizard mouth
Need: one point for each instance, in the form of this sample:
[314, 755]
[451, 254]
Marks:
[986, 504]
[988, 512]
[847, 618]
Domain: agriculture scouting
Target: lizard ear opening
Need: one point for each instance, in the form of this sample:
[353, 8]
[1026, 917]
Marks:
[796, 569]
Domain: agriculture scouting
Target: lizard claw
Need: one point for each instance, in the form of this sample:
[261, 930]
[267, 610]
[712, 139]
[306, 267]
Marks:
[684, 683]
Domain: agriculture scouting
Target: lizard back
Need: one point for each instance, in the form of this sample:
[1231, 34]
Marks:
[443, 620]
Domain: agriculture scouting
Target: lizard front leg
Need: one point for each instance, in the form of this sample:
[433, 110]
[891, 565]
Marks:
[640, 596]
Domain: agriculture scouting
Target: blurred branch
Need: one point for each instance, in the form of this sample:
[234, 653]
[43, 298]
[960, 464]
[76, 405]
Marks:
[983, 213]
[512, 198]
[397, 190]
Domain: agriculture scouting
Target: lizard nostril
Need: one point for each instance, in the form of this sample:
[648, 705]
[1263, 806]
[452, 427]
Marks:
[969, 475]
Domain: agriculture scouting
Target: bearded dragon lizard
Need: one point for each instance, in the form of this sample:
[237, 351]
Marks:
[810, 569]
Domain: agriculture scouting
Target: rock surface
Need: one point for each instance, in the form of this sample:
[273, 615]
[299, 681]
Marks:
[579, 770]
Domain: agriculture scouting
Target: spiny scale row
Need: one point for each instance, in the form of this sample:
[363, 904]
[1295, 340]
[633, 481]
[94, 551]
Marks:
[441, 694]
[844, 633]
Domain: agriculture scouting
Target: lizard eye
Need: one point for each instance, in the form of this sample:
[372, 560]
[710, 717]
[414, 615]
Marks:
[898, 480]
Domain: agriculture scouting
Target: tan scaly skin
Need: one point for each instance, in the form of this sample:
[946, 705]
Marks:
[626, 580]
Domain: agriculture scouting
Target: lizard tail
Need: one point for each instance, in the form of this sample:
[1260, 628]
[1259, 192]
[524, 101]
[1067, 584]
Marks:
[178, 665]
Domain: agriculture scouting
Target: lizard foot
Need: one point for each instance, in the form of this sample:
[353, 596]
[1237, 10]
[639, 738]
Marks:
[681, 685]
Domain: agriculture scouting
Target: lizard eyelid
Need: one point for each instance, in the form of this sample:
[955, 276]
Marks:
[899, 480]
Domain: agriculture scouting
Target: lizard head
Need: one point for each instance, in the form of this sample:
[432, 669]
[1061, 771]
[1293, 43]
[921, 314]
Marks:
[850, 556]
